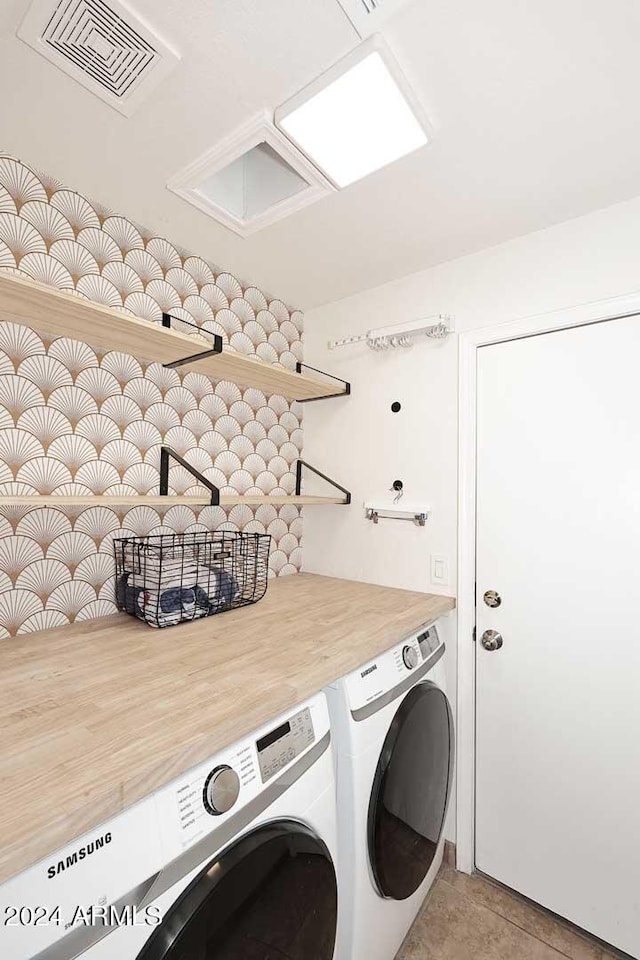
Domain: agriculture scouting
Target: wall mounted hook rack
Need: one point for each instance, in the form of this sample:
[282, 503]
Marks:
[416, 514]
[400, 334]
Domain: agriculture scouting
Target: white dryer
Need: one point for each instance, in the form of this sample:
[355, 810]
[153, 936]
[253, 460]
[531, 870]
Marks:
[394, 746]
[234, 860]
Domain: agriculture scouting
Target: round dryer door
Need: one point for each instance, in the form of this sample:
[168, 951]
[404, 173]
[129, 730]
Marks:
[270, 896]
[410, 791]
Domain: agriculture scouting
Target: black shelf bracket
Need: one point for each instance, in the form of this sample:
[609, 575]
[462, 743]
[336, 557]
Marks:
[328, 396]
[302, 463]
[165, 454]
[217, 342]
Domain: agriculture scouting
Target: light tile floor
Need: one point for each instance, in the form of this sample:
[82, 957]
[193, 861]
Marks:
[471, 918]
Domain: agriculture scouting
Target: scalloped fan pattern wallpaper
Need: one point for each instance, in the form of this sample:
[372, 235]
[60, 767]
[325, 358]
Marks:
[77, 420]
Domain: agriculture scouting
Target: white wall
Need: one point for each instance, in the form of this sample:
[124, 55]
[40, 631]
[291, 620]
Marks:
[359, 442]
[362, 444]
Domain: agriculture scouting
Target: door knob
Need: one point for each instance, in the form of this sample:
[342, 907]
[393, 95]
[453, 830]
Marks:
[492, 598]
[491, 640]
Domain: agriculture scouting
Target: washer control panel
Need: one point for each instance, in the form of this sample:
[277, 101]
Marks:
[410, 657]
[221, 789]
[205, 797]
[208, 791]
[281, 745]
[379, 677]
[428, 642]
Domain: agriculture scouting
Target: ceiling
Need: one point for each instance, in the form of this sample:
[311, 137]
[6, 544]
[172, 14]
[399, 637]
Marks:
[534, 107]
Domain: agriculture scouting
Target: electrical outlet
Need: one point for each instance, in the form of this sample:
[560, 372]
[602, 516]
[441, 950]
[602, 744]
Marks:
[439, 569]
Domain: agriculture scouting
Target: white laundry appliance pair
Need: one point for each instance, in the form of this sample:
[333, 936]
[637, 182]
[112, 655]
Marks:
[245, 858]
[393, 740]
[234, 859]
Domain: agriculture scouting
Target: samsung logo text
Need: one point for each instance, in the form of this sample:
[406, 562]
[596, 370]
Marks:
[78, 855]
[365, 673]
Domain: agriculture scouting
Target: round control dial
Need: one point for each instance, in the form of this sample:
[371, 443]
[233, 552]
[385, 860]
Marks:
[410, 657]
[221, 790]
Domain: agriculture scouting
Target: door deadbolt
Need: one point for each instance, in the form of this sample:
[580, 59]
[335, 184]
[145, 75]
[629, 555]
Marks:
[492, 598]
[491, 640]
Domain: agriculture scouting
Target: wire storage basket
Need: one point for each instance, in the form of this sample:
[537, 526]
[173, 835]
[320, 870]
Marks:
[172, 578]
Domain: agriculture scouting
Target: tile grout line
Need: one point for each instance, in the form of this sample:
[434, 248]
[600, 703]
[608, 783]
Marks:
[607, 951]
[484, 906]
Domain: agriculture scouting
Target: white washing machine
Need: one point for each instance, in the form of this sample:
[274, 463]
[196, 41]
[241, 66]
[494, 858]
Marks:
[394, 746]
[234, 860]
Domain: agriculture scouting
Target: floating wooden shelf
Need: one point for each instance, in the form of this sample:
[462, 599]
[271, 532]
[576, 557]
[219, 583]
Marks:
[62, 314]
[226, 500]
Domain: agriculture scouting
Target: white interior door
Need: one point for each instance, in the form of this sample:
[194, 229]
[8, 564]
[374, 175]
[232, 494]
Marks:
[558, 705]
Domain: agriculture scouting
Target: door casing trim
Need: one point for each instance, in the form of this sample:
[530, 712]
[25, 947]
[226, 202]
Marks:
[468, 344]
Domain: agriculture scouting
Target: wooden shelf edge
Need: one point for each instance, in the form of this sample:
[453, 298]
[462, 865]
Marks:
[60, 313]
[301, 500]
[226, 500]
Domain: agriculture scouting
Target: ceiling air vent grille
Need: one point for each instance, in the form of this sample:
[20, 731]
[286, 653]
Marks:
[100, 43]
[104, 46]
[368, 15]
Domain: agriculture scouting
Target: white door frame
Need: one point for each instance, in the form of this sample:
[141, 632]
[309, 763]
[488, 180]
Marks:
[467, 396]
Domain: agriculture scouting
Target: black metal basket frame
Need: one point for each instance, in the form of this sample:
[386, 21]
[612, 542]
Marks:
[166, 579]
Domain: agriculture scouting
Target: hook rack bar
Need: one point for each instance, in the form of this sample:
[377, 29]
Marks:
[217, 343]
[418, 517]
[302, 463]
[401, 334]
[328, 396]
[165, 454]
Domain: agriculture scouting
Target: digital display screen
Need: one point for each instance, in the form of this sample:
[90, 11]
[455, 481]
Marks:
[274, 735]
[428, 642]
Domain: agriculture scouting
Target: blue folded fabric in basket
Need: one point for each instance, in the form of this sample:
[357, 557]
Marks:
[183, 600]
[128, 597]
[227, 590]
[186, 603]
[176, 604]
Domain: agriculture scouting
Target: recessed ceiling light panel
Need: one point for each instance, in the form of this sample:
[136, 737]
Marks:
[358, 117]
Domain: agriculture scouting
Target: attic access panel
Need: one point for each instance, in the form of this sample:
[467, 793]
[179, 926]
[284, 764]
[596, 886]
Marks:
[253, 183]
[251, 179]
[103, 45]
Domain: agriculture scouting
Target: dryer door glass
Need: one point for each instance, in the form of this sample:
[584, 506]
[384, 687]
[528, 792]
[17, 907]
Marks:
[410, 792]
[270, 896]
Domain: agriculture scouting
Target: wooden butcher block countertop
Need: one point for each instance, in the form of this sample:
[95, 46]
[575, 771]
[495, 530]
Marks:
[100, 714]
